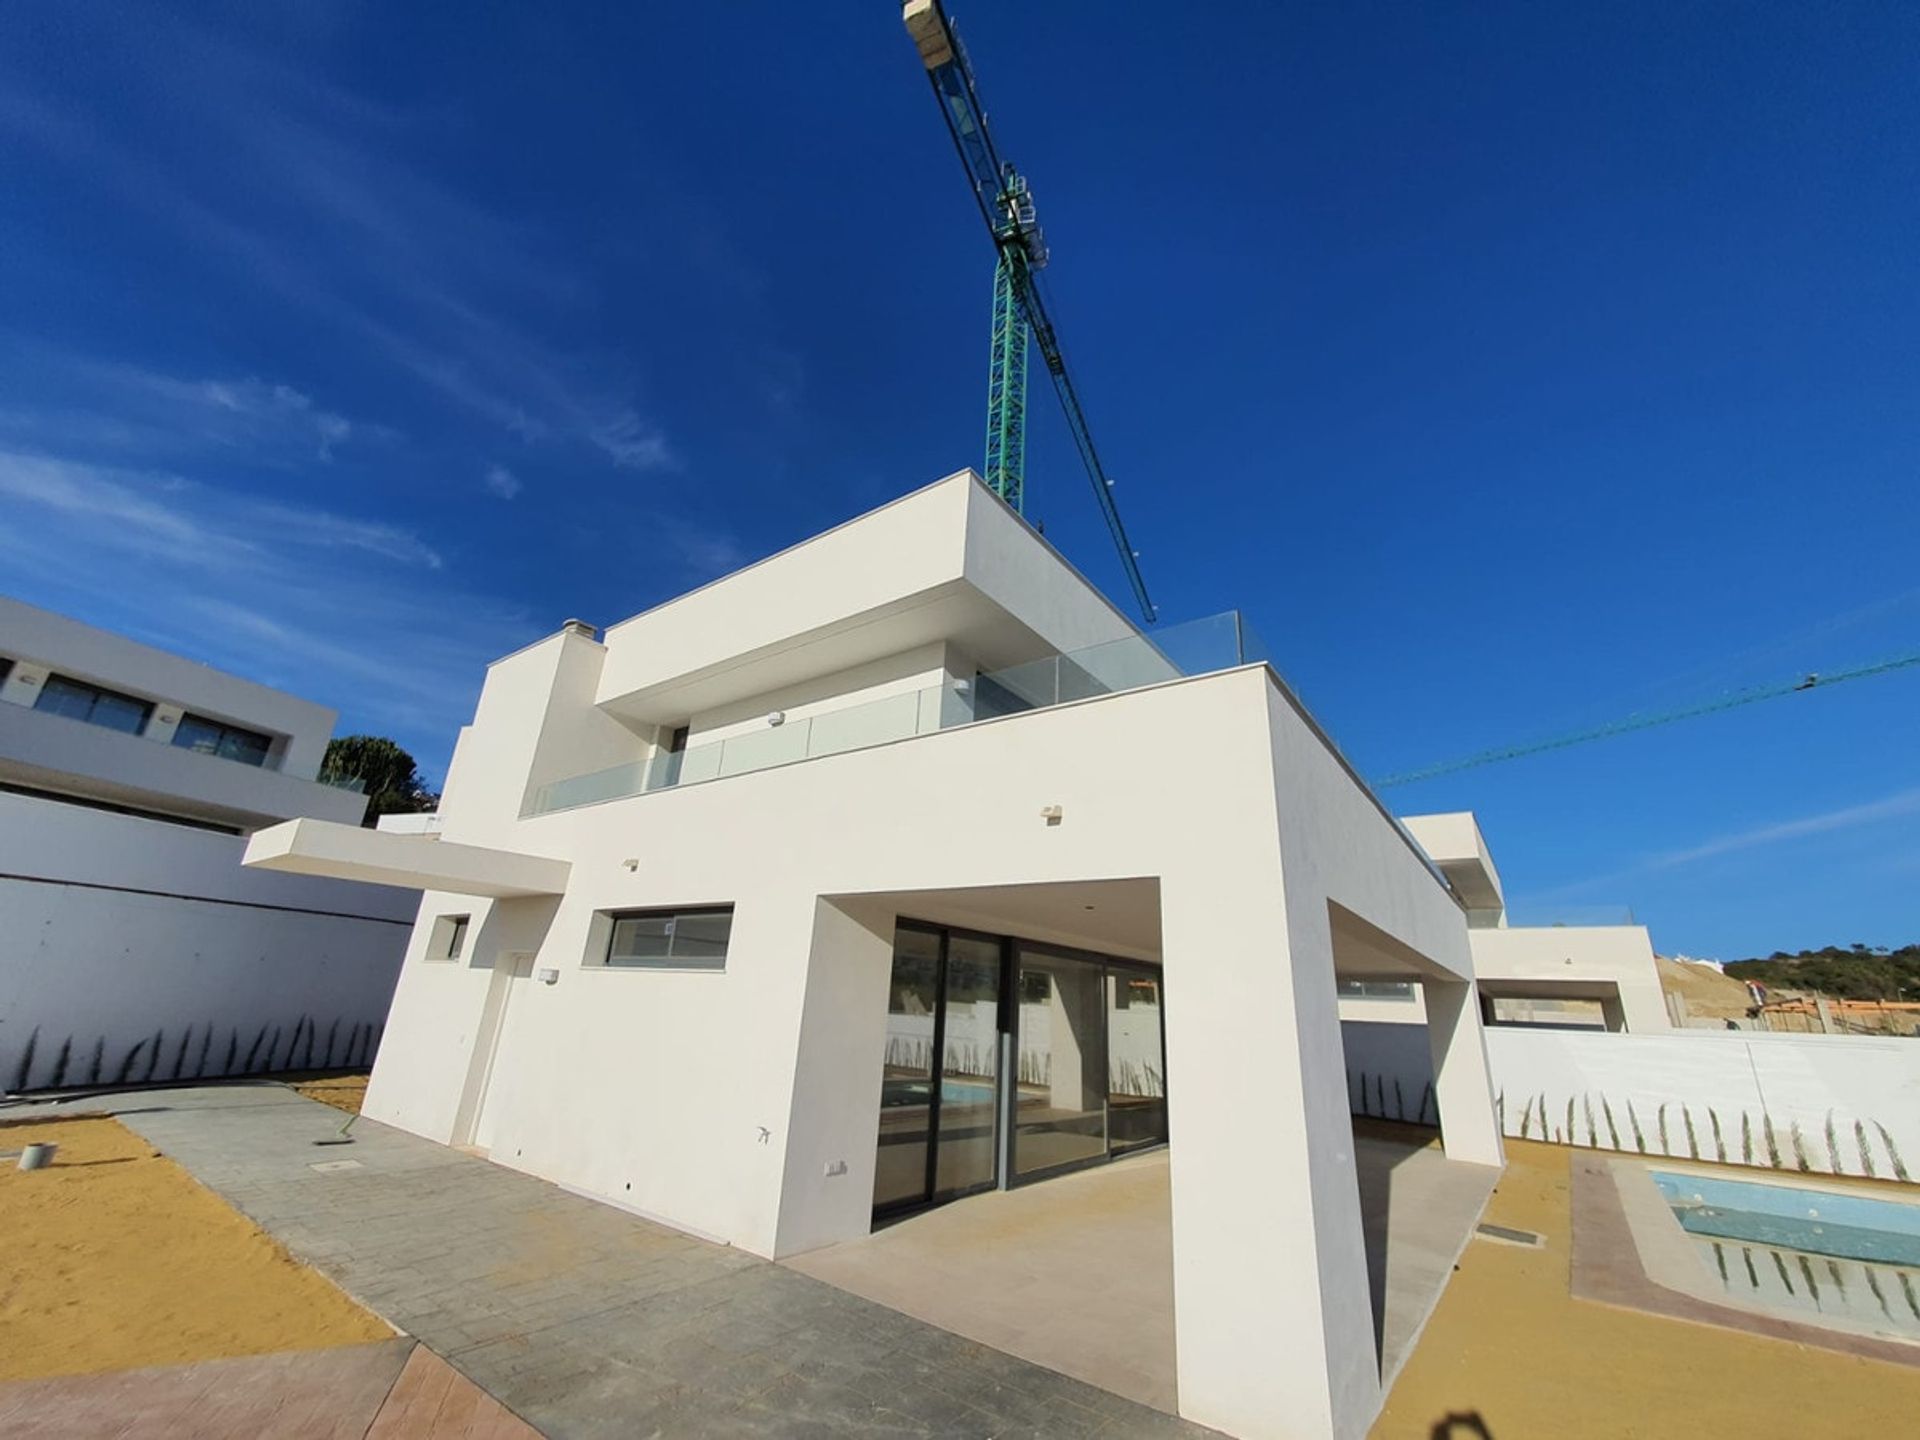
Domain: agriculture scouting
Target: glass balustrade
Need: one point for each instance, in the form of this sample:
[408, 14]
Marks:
[1200, 647]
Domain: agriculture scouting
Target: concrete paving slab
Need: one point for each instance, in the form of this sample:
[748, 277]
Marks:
[585, 1320]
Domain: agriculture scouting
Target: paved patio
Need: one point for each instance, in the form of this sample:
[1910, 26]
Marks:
[1077, 1273]
[587, 1321]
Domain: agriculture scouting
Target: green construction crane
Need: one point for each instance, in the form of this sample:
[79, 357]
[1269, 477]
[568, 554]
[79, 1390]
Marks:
[1019, 309]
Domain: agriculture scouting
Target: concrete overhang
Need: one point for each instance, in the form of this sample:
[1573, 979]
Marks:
[947, 563]
[1363, 951]
[1547, 987]
[413, 862]
[1114, 917]
[1454, 843]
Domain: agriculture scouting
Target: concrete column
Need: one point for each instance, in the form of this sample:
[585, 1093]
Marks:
[1462, 1085]
[826, 1186]
[1613, 1012]
[1273, 1315]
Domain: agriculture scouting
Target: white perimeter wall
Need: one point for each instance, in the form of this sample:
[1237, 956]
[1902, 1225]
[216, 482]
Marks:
[113, 928]
[1868, 1088]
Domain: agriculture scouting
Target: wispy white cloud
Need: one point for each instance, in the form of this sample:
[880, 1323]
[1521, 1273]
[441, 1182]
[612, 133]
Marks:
[1894, 805]
[345, 610]
[168, 515]
[380, 249]
[502, 482]
[1848, 817]
[633, 443]
[108, 404]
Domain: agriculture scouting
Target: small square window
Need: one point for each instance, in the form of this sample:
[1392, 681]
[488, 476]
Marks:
[669, 939]
[449, 938]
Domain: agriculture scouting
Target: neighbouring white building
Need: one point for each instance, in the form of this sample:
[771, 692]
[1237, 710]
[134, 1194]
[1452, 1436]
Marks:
[898, 866]
[1562, 977]
[136, 946]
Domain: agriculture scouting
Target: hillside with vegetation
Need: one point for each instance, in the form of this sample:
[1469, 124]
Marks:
[1858, 972]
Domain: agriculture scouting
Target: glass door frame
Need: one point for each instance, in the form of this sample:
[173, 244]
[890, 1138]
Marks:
[1108, 965]
[929, 1195]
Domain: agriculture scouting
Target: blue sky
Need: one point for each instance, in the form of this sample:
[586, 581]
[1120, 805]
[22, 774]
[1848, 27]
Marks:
[1515, 368]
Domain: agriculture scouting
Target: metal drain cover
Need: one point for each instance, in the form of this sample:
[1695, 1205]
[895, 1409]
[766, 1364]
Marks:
[1506, 1236]
[328, 1167]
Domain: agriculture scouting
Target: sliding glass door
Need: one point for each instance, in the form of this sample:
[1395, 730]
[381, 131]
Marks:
[1091, 1067]
[1060, 1113]
[1082, 1036]
[939, 1093]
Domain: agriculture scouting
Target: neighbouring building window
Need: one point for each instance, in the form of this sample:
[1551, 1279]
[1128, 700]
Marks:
[1376, 989]
[229, 742]
[449, 938]
[78, 700]
[670, 939]
[6, 669]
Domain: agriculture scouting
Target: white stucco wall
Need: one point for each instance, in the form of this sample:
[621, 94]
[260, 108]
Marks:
[1538, 960]
[118, 928]
[1751, 1084]
[1743, 1080]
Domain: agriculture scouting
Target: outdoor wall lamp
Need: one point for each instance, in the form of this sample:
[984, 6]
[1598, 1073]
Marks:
[547, 975]
[778, 717]
[1051, 814]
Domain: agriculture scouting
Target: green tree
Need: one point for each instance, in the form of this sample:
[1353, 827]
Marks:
[393, 782]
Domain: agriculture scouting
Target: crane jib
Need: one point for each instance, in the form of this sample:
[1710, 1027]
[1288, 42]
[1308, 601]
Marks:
[1019, 310]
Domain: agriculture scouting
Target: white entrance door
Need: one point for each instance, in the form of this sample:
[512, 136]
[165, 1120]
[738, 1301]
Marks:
[473, 1123]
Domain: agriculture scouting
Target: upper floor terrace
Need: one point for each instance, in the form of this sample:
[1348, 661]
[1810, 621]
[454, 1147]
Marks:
[1200, 647]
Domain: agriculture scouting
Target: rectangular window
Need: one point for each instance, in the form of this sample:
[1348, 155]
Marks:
[670, 939]
[229, 742]
[78, 700]
[1376, 989]
[449, 938]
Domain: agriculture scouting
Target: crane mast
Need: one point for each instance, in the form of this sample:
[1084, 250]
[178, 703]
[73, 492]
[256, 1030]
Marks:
[1020, 317]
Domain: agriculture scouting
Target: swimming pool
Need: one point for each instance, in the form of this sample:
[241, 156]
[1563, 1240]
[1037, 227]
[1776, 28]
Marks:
[1823, 1222]
[1826, 1254]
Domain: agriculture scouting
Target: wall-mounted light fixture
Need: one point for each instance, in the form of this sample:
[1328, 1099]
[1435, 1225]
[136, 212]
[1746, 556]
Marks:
[1051, 814]
[547, 975]
[633, 864]
[778, 717]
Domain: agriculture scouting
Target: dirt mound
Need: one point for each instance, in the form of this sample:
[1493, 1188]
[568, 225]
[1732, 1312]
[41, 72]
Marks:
[1707, 992]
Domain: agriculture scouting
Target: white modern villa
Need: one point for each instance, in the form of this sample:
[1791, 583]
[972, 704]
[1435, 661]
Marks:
[137, 948]
[856, 882]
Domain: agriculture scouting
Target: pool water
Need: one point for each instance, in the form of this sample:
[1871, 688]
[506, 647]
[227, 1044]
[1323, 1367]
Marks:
[1826, 1254]
[917, 1092]
[1824, 1222]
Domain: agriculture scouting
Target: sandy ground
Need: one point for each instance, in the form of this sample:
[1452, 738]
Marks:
[343, 1092]
[1510, 1354]
[114, 1257]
